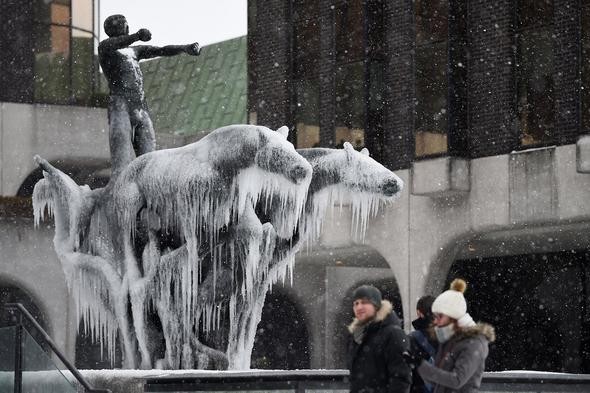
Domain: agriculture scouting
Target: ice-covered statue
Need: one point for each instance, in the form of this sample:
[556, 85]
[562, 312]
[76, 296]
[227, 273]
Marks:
[188, 240]
[161, 222]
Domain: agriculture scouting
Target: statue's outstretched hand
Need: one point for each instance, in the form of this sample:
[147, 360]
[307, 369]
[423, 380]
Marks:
[144, 34]
[193, 49]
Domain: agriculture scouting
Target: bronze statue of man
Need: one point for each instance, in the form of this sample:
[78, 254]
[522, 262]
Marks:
[131, 129]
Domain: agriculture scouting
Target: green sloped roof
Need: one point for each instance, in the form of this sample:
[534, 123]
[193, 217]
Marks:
[189, 95]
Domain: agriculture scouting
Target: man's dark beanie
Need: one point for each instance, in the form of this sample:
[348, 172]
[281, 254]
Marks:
[368, 292]
[424, 305]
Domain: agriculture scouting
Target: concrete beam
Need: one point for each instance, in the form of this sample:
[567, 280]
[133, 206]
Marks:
[440, 177]
[583, 154]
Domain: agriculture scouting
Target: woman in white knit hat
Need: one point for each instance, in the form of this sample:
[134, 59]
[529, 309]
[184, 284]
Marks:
[463, 345]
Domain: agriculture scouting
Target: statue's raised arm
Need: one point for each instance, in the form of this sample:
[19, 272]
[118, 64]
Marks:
[116, 42]
[148, 51]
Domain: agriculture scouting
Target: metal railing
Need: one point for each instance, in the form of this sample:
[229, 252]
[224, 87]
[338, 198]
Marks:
[534, 382]
[336, 381]
[287, 381]
[18, 352]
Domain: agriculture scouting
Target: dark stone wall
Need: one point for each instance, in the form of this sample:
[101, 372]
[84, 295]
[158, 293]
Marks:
[493, 127]
[567, 63]
[398, 77]
[458, 57]
[251, 44]
[16, 51]
[270, 55]
[327, 72]
[482, 84]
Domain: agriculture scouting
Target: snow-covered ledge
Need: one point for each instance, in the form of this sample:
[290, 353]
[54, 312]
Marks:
[583, 154]
[440, 177]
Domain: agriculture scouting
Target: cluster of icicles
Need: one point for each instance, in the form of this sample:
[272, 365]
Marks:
[245, 257]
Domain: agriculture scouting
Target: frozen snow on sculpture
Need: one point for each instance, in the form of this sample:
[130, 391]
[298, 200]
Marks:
[201, 233]
[340, 176]
[206, 185]
[345, 176]
[89, 277]
[215, 179]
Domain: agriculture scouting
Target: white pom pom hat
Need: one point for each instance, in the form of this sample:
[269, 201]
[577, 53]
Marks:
[452, 302]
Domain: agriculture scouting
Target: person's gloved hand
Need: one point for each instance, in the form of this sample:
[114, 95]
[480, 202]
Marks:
[415, 357]
[412, 360]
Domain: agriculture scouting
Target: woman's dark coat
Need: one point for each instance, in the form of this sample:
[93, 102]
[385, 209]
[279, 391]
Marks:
[460, 362]
[376, 364]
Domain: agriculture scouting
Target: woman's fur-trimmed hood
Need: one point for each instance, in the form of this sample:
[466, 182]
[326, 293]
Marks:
[384, 311]
[481, 328]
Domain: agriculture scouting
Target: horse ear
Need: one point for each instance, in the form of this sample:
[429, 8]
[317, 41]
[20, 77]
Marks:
[348, 149]
[365, 151]
[284, 131]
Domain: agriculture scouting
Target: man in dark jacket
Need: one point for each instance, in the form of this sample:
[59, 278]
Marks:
[377, 342]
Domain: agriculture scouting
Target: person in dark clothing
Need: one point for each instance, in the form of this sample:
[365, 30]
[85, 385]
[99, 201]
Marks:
[377, 342]
[423, 339]
[463, 345]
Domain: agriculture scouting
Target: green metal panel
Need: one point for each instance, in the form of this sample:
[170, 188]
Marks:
[192, 95]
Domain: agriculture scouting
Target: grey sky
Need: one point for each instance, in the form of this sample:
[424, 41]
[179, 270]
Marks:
[181, 21]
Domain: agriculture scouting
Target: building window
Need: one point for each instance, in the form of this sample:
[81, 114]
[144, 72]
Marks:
[359, 74]
[350, 74]
[358, 79]
[307, 113]
[65, 68]
[306, 40]
[585, 92]
[350, 104]
[374, 68]
[350, 31]
[431, 59]
[534, 71]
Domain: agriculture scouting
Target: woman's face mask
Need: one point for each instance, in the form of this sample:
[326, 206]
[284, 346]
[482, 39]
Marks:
[444, 333]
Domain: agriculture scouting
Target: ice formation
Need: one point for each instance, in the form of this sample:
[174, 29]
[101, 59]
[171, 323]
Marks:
[200, 188]
[340, 176]
[193, 192]
[197, 235]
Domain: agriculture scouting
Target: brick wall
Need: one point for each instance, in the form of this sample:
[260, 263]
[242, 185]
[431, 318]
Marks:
[251, 44]
[566, 48]
[398, 77]
[327, 71]
[482, 95]
[271, 59]
[493, 128]
[16, 55]
[458, 108]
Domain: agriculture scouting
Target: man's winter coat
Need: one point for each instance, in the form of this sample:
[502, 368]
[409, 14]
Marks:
[376, 364]
[460, 362]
